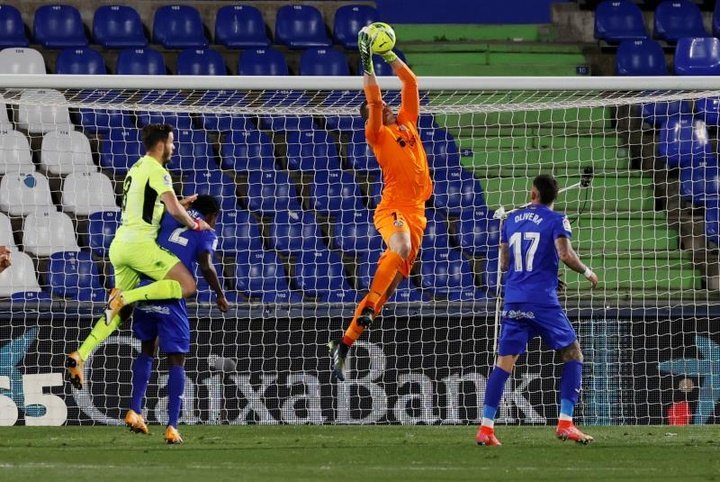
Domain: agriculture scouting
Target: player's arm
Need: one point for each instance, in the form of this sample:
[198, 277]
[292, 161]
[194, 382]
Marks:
[504, 257]
[176, 210]
[373, 96]
[410, 93]
[207, 268]
[568, 256]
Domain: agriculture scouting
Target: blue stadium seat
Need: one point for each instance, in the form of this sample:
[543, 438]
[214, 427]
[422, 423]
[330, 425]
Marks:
[334, 192]
[455, 189]
[675, 19]
[58, 27]
[640, 57]
[477, 232]
[200, 62]
[446, 275]
[354, 232]
[278, 123]
[343, 98]
[716, 20]
[118, 27]
[74, 276]
[179, 27]
[618, 20]
[300, 26]
[427, 121]
[712, 222]
[658, 113]
[120, 150]
[101, 231]
[105, 120]
[265, 61]
[162, 97]
[382, 68]
[345, 123]
[436, 234]
[224, 122]
[284, 98]
[349, 19]
[80, 61]
[271, 191]
[260, 275]
[440, 147]
[375, 192]
[240, 27]
[144, 61]
[697, 56]
[293, 232]
[320, 274]
[708, 109]
[700, 182]
[323, 61]
[247, 150]
[193, 152]
[683, 141]
[490, 273]
[13, 32]
[238, 231]
[213, 183]
[312, 151]
[360, 155]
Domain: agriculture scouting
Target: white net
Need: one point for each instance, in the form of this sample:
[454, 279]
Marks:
[298, 185]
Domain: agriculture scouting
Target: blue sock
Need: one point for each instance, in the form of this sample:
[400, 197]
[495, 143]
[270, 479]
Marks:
[141, 369]
[493, 391]
[176, 387]
[570, 384]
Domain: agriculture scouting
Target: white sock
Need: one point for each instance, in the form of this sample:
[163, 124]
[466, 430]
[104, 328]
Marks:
[565, 417]
[488, 422]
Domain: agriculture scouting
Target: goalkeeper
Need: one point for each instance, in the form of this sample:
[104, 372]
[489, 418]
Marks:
[400, 216]
[134, 250]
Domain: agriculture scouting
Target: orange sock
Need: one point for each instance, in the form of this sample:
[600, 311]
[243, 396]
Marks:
[388, 267]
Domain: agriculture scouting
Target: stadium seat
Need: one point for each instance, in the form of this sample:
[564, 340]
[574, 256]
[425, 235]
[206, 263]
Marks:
[335, 192]
[238, 231]
[179, 120]
[120, 150]
[260, 275]
[226, 122]
[293, 232]
[47, 231]
[477, 232]
[19, 277]
[271, 191]
[441, 150]
[640, 57]
[15, 154]
[143, 61]
[200, 62]
[697, 56]
[448, 276]
[85, 193]
[382, 68]
[284, 98]
[455, 189]
[436, 234]
[213, 183]
[247, 150]
[240, 27]
[349, 19]
[675, 19]
[490, 272]
[355, 233]
[406, 292]
[5, 124]
[74, 276]
[64, 152]
[21, 61]
[6, 232]
[618, 20]
[658, 113]
[312, 151]
[359, 154]
[13, 32]
[683, 141]
[708, 109]
[323, 61]
[345, 123]
[118, 27]
[300, 26]
[80, 61]
[712, 224]
[343, 98]
[179, 27]
[700, 183]
[716, 20]
[23, 193]
[220, 99]
[320, 274]
[279, 123]
[101, 231]
[58, 27]
[193, 152]
[375, 192]
[43, 110]
[102, 121]
[265, 61]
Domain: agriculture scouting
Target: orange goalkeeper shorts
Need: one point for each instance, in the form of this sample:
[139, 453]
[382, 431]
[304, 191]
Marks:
[389, 221]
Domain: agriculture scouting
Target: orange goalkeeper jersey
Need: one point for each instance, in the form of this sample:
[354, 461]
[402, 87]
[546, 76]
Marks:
[398, 148]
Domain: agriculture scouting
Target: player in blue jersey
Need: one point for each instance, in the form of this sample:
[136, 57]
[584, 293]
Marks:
[533, 241]
[167, 322]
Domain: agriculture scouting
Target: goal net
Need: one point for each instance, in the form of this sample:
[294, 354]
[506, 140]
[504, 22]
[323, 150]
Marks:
[297, 183]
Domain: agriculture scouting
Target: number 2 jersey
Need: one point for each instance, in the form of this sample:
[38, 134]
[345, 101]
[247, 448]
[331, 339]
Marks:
[532, 275]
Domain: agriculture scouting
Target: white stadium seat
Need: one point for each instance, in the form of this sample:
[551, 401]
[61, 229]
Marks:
[5, 124]
[24, 192]
[21, 61]
[6, 233]
[20, 276]
[43, 110]
[66, 151]
[85, 193]
[15, 154]
[47, 231]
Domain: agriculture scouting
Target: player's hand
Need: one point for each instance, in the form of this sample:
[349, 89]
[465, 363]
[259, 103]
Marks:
[222, 303]
[593, 279]
[187, 201]
[364, 42]
[562, 286]
[389, 56]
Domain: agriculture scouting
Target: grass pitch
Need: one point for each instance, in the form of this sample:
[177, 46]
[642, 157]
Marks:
[352, 453]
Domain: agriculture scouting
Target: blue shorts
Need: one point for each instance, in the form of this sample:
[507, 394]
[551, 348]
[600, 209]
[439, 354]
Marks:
[522, 322]
[167, 320]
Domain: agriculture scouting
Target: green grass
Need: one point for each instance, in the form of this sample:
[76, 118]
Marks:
[350, 453]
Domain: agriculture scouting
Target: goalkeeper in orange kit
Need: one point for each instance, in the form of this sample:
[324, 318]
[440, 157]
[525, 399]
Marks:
[400, 216]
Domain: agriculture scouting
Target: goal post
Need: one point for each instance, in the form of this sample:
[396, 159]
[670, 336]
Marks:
[287, 158]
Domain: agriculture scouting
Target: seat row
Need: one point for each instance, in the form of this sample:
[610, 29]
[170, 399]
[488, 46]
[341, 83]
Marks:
[693, 56]
[181, 26]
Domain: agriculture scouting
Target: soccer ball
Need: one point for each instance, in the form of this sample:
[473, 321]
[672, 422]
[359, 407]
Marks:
[383, 37]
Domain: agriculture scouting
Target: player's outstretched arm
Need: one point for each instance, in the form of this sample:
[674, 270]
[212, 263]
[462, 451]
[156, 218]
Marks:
[370, 85]
[568, 256]
[410, 94]
[208, 271]
[176, 210]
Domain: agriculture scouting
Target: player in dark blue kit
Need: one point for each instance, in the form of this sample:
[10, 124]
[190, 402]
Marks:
[533, 241]
[167, 321]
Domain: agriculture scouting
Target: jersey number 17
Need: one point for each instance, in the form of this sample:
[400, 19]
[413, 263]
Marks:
[516, 245]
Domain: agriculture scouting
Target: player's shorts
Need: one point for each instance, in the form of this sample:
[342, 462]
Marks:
[389, 221]
[166, 320]
[522, 322]
[130, 260]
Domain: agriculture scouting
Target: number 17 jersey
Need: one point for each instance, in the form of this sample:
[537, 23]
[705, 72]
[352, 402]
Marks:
[532, 275]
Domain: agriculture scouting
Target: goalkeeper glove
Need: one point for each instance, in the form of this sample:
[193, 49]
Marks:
[364, 41]
[389, 56]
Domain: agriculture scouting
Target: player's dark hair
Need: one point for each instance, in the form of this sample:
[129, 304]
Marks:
[154, 133]
[206, 205]
[364, 110]
[547, 187]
